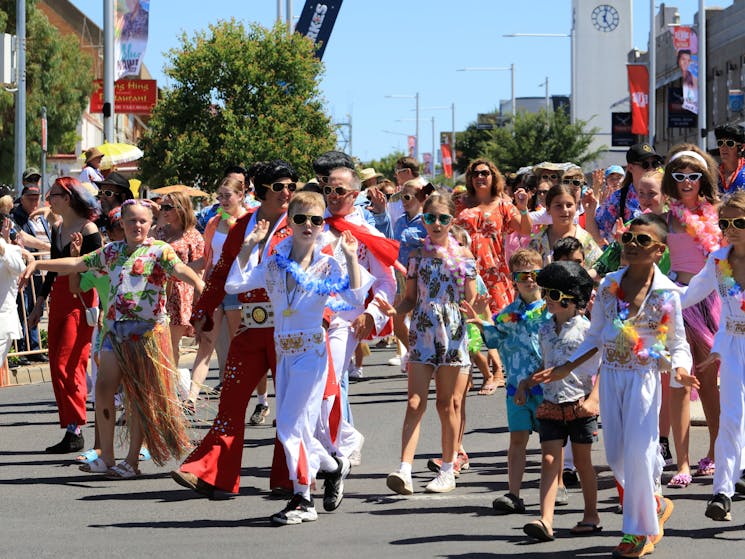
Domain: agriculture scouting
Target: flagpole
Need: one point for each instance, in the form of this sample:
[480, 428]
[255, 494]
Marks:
[108, 71]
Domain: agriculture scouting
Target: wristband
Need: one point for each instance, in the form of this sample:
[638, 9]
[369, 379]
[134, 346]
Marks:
[523, 212]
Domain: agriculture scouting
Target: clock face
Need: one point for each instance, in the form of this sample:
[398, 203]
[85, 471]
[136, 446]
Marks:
[605, 18]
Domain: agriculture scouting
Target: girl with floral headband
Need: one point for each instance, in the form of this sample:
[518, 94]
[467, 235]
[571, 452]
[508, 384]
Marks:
[690, 185]
[136, 351]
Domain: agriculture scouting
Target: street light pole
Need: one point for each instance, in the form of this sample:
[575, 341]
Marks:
[20, 147]
[652, 100]
[416, 98]
[702, 74]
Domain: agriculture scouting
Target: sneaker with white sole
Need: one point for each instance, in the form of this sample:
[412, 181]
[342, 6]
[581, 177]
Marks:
[400, 483]
[444, 482]
[258, 417]
[395, 361]
[355, 457]
[333, 488]
[298, 509]
[355, 373]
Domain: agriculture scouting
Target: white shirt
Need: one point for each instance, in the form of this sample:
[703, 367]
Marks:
[11, 267]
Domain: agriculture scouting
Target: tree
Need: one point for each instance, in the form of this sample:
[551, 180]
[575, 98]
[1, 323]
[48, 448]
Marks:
[535, 137]
[385, 165]
[59, 76]
[238, 96]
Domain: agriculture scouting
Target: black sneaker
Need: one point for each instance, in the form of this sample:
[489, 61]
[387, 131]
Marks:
[333, 487]
[719, 507]
[298, 509]
[569, 477]
[508, 504]
[665, 451]
[259, 415]
[69, 443]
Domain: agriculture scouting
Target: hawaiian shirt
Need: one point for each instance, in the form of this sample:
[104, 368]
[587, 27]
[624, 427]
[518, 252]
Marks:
[737, 182]
[608, 213]
[137, 290]
[516, 339]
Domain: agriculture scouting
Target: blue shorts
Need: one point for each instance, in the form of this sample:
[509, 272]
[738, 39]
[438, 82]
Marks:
[230, 302]
[522, 418]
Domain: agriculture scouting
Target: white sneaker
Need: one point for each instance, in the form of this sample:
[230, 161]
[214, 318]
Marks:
[443, 483]
[400, 483]
[395, 361]
[355, 373]
[355, 457]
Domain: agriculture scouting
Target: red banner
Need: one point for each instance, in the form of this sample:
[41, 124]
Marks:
[130, 97]
[639, 93]
[447, 160]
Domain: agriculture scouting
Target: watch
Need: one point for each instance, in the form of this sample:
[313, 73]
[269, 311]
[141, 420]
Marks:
[605, 18]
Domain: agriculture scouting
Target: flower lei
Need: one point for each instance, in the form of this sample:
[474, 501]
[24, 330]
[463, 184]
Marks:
[628, 332]
[319, 286]
[225, 216]
[700, 224]
[450, 258]
[531, 312]
[728, 281]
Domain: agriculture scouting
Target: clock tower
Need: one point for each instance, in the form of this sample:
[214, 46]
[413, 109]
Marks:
[602, 39]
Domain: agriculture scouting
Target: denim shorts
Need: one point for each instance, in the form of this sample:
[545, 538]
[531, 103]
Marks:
[124, 329]
[230, 302]
[579, 431]
[522, 418]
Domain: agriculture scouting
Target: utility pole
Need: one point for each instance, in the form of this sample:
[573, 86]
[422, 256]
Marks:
[20, 147]
[108, 71]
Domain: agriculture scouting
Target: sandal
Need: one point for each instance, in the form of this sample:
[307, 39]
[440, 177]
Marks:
[538, 531]
[97, 466]
[706, 467]
[144, 454]
[123, 470]
[680, 481]
[87, 457]
[488, 389]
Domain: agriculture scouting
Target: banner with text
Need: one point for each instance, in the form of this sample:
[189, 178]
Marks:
[317, 22]
[639, 93]
[447, 160]
[685, 42]
[130, 36]
[412, 146]
[130, 97]
[621, 135]
[677, 116]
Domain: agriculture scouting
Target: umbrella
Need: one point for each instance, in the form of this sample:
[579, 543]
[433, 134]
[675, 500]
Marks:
[116, 154]
[188, 190]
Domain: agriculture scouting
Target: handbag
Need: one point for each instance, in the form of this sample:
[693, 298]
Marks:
[566, 411]
[91, 313]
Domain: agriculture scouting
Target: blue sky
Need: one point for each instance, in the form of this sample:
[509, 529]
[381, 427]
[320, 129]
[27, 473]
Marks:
[400, 47]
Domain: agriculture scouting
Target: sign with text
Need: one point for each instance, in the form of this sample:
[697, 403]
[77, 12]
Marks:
[621, 134]
[130, 36]
[130, 97]
[677, 116]
[639, 93]
[317, 22]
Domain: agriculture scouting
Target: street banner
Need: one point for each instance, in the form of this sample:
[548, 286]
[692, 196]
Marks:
[428, 164]
[447, 160]
[677, 116]
[130, 36]
[130, 97]
[317, 21]
[412, 146]
[639, 93]
[685, 42]
[621, 135]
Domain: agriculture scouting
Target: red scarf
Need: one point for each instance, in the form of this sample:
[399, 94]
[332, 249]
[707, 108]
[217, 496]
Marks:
[382, 248]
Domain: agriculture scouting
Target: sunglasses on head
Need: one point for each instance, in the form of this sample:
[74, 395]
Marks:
[525, 276]
[575, 182]
[401, 170]
[301, 219]
[430, 219]
[322, 179]
[649, 164]
[338, 190]
[552, 177]
[641, 239]
[482, 173]
[728, 143]
[692, 177]
[280, 186]
[166, 207]
[737, 223]
[557, 296]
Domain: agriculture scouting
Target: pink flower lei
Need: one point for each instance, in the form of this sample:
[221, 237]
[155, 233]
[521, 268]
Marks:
[700, 224]
[454, 264]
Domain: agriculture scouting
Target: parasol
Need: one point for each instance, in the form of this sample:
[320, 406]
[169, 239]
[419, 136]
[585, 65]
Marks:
[188, 190]
[116, 154]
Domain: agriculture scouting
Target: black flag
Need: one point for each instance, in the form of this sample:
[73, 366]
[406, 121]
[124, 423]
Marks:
[317, 22]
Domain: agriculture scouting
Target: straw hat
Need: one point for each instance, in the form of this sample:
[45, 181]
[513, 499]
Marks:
[91, 154]
[369, 173]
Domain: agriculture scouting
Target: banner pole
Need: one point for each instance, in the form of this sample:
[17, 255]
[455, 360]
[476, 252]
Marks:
[108, 71]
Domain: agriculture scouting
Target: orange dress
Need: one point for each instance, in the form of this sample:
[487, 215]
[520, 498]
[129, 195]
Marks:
[487, 228]
[180, 295]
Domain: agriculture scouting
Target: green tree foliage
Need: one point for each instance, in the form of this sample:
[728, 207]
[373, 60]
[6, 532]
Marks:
[58, 76]
[385, 164]
[238, 96]
[535, 137]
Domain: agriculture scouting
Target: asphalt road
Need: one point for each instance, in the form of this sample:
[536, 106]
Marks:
[51, 509]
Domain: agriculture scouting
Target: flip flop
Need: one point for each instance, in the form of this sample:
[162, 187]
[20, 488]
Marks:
[585, 528]
[538, 531]
[488, 389]
[144, 454]
[87, 457]
[680, 481]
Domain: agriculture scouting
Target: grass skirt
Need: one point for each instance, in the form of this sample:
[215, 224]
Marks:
[150, 382]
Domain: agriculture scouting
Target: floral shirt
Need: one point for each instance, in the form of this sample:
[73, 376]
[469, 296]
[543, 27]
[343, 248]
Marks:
[515, 335]
[608, 213]
[592, 251]
[137, 290]
[557, 350]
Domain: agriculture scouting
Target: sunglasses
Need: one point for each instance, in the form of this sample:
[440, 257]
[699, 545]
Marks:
[541, 192]
[575, 182]
[408, 197]
[53, 194]
[301, 219]
[484, 173]
[166, 207]
[557, 296]
[738, 223]
[552, 176]
[401, 170]
[641, 239]
[525, 276]
[338, 190]
[322, 179]
[430, 219]
[728, 143]
[692, 177]
[649, 164]
[109, 193]
[280, 186]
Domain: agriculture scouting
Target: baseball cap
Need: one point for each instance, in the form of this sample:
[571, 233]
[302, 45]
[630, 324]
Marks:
[31, 172]
[639, 152]
[614, 169]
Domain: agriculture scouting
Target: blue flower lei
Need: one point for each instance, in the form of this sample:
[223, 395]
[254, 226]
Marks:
[319, 286]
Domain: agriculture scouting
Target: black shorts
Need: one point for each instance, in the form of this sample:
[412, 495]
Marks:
[580, 431]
